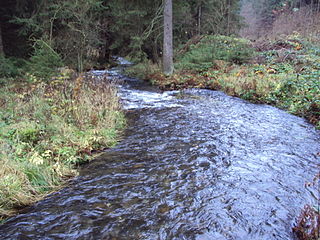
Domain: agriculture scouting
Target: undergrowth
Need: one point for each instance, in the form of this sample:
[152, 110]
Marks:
[47, 129]
[200, 56]
[284, 72]
[307, 226]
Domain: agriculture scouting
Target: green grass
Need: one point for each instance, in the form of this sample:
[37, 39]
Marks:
[46, 130]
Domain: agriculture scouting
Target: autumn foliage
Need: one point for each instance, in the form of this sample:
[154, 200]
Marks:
[308, 223]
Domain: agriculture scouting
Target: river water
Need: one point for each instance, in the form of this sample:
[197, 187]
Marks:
[195, 164]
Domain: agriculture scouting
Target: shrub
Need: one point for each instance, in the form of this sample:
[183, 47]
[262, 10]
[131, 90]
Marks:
[9, 67]
[44, 61]
[141, 70]
[202, 55]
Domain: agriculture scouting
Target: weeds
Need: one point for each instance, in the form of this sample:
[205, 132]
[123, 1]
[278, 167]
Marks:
[142, 70]
[46, 129]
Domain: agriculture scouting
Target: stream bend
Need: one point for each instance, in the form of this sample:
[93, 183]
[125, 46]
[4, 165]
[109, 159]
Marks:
[195, 164]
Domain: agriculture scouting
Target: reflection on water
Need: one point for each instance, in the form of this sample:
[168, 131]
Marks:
[193, 165]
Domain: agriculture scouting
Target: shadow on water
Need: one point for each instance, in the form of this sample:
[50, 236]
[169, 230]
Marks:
[193, 165]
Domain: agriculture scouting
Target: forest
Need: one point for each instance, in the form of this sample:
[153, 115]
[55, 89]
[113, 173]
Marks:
[54, 116]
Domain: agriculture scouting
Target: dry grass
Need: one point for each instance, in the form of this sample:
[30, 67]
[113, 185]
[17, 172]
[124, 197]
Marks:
[308, 224]
[46, 129]
[305, 21]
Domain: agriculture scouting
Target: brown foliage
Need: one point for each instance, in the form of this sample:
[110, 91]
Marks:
[305, 21]
[285, 21]
[308, 223]
[314, 116]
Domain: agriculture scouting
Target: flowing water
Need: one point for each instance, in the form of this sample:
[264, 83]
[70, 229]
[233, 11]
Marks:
[195, 164]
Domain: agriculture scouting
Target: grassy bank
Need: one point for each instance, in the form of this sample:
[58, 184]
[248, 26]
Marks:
[47, 129]
[284, 72]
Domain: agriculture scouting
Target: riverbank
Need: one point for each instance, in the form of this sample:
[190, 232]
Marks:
[195, 164]
[284, 72]
[47, 129]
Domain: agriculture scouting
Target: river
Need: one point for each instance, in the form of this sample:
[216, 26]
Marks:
[194, 164]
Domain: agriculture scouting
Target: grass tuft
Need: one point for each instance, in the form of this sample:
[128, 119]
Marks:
[47, 129]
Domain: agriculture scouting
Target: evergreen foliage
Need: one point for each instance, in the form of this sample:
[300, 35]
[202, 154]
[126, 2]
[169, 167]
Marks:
[202, 55]
[71, 29]
[85, 31]
[44, 61]
[8, 67]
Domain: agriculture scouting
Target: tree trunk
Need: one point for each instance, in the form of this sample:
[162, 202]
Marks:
[229, 15]
[167, 38]
[199, 19]
[1, 44]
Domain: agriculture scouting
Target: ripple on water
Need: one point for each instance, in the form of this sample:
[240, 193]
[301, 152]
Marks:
[192, 165]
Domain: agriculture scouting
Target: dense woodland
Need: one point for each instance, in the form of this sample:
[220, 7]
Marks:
[91, 30]
[265, 51]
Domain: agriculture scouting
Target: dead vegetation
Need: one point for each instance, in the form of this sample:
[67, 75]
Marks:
[308, 224]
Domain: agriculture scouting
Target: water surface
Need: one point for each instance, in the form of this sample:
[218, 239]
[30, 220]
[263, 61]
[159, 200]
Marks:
[195, 164]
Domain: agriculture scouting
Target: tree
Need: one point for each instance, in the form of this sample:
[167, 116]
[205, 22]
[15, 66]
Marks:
[70, 28]
[83, 32]
[167, 38]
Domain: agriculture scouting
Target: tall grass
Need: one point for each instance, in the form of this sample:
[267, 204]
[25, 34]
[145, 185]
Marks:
[47, 129]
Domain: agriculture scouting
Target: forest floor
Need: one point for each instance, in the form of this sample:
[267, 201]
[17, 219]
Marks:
[283, 72]
[47, 129]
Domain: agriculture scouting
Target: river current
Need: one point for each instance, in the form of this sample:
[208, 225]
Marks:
[194, 164]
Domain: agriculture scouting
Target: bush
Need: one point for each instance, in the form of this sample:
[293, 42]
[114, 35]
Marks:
[44, 61]
[8, 67]
[202, 55]
[141, 70]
